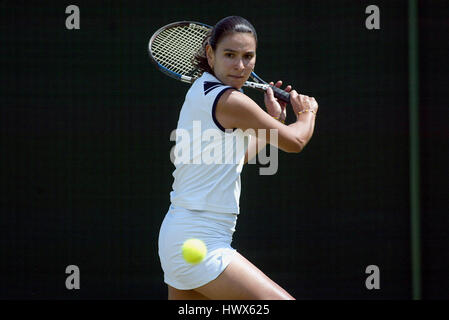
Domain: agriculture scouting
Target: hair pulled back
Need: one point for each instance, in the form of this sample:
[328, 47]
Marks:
[223, 27]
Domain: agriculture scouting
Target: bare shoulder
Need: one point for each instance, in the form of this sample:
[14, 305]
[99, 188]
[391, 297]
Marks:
[233, 98]
[233, 107]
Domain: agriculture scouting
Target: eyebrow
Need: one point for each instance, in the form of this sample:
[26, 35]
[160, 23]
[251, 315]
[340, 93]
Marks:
[231, 50]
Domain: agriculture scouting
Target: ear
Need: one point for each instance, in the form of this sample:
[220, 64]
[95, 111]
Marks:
[210, 56]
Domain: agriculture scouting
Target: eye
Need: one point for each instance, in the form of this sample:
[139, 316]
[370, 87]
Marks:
[229, 55]
[248, 56]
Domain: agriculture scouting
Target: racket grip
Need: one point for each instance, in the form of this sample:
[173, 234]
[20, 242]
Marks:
[281, 94]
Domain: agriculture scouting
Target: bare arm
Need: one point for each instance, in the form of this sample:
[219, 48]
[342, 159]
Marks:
[236, 110]
[255, 146]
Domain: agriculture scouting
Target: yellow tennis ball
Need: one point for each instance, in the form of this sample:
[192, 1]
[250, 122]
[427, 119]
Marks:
[194, 251]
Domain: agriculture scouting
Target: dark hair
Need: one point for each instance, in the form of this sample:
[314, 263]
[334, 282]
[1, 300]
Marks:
[223, 27]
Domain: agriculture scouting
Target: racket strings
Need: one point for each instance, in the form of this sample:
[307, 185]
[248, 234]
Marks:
[174, 48]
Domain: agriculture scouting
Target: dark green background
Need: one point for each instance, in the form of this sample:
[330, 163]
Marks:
[86, 173]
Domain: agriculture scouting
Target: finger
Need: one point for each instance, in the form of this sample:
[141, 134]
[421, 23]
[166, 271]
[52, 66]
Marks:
[279, 83]
[272, 84]
[303, 98]
[288, 88]
[294, 94]
[269, 94]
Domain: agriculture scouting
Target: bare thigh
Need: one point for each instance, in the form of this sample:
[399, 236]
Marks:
[176, 294]
[241, 280]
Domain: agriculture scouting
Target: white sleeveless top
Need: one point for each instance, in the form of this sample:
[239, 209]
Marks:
[208, 158]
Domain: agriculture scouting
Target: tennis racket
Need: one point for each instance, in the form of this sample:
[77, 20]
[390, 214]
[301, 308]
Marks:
[173, 47]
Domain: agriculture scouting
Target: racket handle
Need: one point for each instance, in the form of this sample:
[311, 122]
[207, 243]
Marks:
[281, 94]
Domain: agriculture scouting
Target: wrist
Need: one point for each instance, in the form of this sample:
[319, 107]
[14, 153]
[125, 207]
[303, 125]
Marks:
[306, 113]
[279, 118]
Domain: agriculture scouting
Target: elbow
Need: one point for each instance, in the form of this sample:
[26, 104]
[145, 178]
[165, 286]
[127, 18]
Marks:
[295, 144]
[299, 145]
[296, 147]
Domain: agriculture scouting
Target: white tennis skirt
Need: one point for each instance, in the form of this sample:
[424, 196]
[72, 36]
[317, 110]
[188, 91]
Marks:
[215, 229]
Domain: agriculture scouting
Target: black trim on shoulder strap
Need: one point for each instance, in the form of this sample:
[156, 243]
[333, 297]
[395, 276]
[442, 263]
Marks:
[209, 86]
[214, 108]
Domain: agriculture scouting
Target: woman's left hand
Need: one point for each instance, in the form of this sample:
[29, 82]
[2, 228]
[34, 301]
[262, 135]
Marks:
[276, 108]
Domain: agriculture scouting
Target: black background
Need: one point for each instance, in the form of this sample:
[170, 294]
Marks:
[86, 173]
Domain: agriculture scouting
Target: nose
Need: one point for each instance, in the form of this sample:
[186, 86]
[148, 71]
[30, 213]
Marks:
[239, 65]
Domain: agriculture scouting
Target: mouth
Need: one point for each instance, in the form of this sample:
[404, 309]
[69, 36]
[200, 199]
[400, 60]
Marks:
[236, 77]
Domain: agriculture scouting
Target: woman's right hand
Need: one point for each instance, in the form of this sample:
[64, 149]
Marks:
[301, 102]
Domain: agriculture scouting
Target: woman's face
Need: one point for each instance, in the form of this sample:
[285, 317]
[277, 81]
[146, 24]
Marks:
[234, 58]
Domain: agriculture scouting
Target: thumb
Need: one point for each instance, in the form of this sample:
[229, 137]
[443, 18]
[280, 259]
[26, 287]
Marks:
[270, 94]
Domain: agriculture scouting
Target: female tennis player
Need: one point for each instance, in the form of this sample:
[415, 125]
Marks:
[205, 197]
